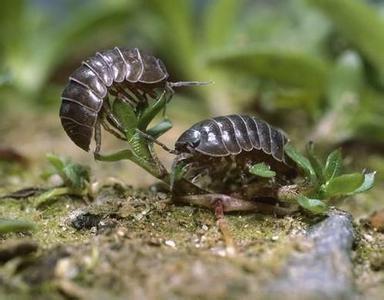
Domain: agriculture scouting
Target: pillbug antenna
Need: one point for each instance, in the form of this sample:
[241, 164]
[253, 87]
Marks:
[188, 83]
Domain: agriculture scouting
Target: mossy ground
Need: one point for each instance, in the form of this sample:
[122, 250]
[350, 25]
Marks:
[143, 245]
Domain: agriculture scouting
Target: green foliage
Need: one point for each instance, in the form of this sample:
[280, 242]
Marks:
[321, 57]
[133, 123]
[274, 65]
[177, 174]
[32, 47]
[160, 128]
[301, 161]
[314, 206]
[342, 185]
[315, 162]
[325, 181]
[360, 24]
[220, 21]
[75, 177]
[333, 164]
[8, 225]
[262, 170]
[125, 114]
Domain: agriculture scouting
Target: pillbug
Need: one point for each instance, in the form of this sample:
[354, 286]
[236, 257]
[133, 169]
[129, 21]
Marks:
[128, 74]
[221, 149]
[211, 168]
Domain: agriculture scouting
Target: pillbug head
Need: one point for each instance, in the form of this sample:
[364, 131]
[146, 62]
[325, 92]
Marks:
[190, 139]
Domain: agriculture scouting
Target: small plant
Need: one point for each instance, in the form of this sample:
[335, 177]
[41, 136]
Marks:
[75, 179]
[324, 182]
[134, 123]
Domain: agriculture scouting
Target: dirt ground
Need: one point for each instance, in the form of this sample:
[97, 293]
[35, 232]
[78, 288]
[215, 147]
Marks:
[132, 242]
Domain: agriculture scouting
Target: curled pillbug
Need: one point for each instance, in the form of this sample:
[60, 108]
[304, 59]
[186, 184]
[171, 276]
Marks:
[225, 147]
[128, 74]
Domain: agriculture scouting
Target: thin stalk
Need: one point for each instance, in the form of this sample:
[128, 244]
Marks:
[51, 194]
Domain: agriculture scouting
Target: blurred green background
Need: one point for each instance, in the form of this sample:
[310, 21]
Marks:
[312, 67]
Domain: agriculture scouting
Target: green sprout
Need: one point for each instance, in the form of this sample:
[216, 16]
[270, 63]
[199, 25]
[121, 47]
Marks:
[324, 181]
[75, 179]
[140, 138]
[14, 225]
[262, 170]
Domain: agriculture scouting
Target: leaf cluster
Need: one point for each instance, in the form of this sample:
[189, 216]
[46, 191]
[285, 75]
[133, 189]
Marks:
[326, 180]
[75, 178]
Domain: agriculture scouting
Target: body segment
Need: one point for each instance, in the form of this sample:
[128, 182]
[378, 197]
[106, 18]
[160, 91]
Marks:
[217, 153]
[126, 73]
[230, 135]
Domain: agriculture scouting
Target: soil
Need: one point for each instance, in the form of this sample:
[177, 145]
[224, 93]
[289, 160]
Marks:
[133, 242]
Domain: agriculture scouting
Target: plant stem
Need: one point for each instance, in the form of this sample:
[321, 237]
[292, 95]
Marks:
[51, 194]
[289, 193]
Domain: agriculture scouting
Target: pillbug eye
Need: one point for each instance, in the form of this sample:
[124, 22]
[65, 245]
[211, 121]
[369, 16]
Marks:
[195, 139]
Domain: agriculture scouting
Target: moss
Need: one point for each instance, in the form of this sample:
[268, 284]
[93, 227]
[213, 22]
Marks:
[157, 248]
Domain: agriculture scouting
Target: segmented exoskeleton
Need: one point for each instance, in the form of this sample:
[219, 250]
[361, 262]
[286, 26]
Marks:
[127, 74]
[225, 147]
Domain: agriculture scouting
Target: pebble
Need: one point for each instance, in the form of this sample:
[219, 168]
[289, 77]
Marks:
[170, 243]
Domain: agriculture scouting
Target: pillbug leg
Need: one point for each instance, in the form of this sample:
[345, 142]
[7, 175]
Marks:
[113, 91]
[141, 99]
[111, 118]
[110, 130]
[153, 140]
[97, 136]
[125, 97]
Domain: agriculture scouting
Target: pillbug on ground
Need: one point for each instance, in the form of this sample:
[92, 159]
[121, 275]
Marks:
[216, 154]
[128, 74]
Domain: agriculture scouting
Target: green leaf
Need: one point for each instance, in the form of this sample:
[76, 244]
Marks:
[8, 225]
[56, 161]
[151, 112]
[220, 18]
[177, 20]
[361, 24]
[276, 66]
[346, 79]
[177, 173]
[51, 195]
[315, 162]
[74, 175]
[314, 206]
[160, 128]
[301, 161]
[125, 115]
[369, 181]
[262, 170]
[343, 184]
[77, 175]
[333, 165]
[38, 36]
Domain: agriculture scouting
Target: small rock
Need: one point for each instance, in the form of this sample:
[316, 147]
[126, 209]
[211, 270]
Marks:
[170, 243]
[274, 238]
[84, 220]
[368, 237]
[324, 270]
[66, 269]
